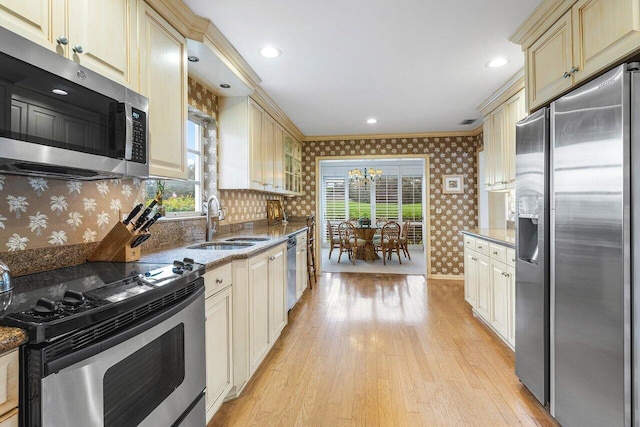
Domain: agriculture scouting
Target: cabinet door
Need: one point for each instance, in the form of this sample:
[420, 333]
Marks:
[515, 108]
[268, 151]
[484, 286]
[163, 79]
[278, 159]
[470, 277]
[548, 59]
[511, 274]
[9, 368]
[498, 126]
[500, 298]
[218, 339]
[255, 138]
[604, 31]
[487, 132]
[34, 20]
[106, 32]
[301, 269]
[277, 293]
[258, 311]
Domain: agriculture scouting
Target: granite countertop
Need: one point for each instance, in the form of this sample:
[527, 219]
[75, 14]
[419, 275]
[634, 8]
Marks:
[503, 236]
[11, 338]
[215, 258]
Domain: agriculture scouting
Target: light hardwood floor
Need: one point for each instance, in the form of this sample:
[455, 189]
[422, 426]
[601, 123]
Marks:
[384, 350]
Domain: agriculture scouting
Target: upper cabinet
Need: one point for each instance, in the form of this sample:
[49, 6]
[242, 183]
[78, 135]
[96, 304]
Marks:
[577, 44]
[292, 165]
[253, 148]
[500, 115]
[163, 79]
[98, 34]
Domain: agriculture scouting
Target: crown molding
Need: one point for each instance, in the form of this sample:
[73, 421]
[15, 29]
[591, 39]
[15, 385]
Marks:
[450, 134]
[541, 19]
[270, 106]
[514, 85]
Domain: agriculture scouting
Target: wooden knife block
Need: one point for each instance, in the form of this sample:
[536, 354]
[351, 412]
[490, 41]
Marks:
[116, 246]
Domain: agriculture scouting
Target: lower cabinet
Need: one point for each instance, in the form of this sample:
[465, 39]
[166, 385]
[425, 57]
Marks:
[489, 285]
[301, 264]
[9, 368]
[259, 311]
[218, 308]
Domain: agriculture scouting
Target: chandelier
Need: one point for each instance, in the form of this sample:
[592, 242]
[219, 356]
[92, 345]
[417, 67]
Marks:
[364, 176]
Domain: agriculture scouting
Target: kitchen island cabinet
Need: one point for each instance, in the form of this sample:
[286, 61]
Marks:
[218, 308]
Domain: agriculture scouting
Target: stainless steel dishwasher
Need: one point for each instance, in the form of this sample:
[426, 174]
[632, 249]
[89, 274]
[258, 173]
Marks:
[291, 272]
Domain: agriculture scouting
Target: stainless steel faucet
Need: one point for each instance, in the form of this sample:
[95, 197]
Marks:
[213, 216]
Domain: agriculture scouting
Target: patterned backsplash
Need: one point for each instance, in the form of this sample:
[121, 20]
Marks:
[455, 155]
[39, 212]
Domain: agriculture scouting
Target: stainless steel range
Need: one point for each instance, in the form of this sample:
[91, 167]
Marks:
[112, 344]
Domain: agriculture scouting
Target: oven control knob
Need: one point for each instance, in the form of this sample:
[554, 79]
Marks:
[178, 267]
[44, 306]
[73, 299]
[188, 263]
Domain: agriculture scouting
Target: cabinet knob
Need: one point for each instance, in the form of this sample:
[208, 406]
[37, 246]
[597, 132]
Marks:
[495, 252]
[566, 75]
[574, 70]
[479, 247]
[62, 40]
[219, 281]
[78, 49]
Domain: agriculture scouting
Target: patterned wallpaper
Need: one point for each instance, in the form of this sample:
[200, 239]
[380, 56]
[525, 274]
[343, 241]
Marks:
[246, 205]
[453, 155]
[39, 212]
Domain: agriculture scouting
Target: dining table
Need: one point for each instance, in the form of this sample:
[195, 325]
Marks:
[366, 233]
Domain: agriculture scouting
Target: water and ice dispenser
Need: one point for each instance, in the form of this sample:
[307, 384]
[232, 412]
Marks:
[528, 208]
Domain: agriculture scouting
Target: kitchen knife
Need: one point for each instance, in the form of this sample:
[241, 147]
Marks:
[149, 223]
[143, 217]
[140, 240]
[133, 214]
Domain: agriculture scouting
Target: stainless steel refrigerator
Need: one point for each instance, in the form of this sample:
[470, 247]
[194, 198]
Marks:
[532, 254]
[594, 169]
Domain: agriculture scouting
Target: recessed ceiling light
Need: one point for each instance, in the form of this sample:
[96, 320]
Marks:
[193, 58]
[372, 121]
[270, 52]
[225, 85]
[60, 92]
[497, 62]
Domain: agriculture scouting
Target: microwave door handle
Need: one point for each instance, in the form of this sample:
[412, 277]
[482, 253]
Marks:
[128, 147]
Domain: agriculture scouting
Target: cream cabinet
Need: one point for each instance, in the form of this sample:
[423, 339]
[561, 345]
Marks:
[268, 152]
[301, 264]
[259, 311]
[98, 34]
[292, 165]
[589, 37]
[163, 79]
[218, 337]
[489, 286]
[277, 293]
[499, 133]
[9, 368]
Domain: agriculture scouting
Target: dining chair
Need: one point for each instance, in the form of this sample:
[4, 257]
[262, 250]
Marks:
[334, 238]
[377, 237]
[390, 242]
[349, 242]
[311, 253]
[404, 239]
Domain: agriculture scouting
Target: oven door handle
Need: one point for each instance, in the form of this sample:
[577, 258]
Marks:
[91, 350]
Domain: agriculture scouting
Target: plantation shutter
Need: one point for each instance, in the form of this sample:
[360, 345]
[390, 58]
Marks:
[387, 198]
[412, 206]
[359, 200]
[334, 201]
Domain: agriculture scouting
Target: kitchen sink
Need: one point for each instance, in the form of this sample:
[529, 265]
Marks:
[224, 246]
[248, 239]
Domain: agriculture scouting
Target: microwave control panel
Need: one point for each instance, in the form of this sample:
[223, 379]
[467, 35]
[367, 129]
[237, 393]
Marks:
[139, 137]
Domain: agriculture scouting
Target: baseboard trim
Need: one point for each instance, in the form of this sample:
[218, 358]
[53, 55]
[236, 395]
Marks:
[446, 276]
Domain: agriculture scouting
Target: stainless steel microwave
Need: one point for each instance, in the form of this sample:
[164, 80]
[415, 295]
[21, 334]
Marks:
[60, 119]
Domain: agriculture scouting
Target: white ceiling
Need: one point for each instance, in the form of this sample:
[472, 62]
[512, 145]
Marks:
[415, 65]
